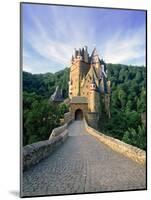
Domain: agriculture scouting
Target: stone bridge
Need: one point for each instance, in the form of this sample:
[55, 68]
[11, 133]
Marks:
[83, 164]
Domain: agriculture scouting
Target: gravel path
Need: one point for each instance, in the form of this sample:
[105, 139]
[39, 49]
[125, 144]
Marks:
[83, 164]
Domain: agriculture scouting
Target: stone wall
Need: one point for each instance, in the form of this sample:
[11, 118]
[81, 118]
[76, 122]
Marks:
[92, 119]
[130, 151]
[34, 153]
[82, 106]
[68, 117]
[57, 131]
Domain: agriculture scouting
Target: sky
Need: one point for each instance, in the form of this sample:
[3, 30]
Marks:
[50, 34]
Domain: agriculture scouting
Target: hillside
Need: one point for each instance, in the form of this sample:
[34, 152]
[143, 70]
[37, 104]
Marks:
[128, 104]
[45, 84]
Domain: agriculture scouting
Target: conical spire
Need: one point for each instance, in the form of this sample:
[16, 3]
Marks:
[94, 52]
[57, 95]
[94, 56]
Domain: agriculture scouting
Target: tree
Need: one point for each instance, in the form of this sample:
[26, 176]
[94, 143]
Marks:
[128, 103]
[63, 108]
[138, 77]
[122, 97]
[141, 102]
[136, 137]
[41, 119]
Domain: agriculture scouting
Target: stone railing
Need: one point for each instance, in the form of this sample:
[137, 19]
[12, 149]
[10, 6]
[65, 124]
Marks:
[57, 131]
[34, 153]
[130, 151]
[68, 117]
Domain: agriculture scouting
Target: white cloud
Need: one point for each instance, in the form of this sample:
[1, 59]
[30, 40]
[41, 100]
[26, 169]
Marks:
[55, 41]
[51, 41]
[123, 48]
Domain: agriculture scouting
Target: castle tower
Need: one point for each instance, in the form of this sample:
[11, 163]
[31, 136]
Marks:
[92, 102]
[88, 84]
[78, 69]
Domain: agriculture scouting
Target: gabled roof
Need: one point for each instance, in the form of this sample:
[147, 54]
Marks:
[92, 72]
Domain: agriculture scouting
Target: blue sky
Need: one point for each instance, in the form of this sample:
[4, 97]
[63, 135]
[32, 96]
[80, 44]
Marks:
[50, 34]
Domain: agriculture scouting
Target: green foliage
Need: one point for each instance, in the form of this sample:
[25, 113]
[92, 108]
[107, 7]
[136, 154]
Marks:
[128, 102]
[39, 116]
[63, 108]
[39, 120]
[136, 137]
[45, 84]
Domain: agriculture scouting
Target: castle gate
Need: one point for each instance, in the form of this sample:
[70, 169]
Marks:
[78, 114]
[79, 107]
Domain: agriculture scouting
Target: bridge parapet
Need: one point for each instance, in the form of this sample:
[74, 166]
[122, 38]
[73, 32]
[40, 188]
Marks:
[68, 117]
[57, 131]
[132, 152]
[34, 153]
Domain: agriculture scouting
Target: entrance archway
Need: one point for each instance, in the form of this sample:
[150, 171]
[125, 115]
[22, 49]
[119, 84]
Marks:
[78, 114]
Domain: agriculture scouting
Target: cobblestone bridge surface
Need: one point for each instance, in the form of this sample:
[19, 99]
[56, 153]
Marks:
[83, 164]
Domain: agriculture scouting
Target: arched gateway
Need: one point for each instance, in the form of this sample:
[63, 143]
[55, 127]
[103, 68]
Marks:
[78, 114]
[79, 107]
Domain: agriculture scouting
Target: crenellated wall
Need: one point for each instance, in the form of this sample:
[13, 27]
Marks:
[132, 152]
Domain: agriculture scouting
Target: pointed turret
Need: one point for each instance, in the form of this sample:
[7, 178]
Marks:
[94, 56]
[103, 71]
[86, 55]
[82, 53]
[57, 96]
[72, 59]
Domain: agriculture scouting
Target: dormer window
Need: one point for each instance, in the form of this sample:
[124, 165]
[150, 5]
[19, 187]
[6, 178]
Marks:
[92, 86]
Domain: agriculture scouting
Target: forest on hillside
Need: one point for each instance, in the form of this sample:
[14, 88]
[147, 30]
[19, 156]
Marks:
[40, 115]
[128, 104]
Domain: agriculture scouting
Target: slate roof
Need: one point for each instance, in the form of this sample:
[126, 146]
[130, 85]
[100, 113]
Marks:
[94, 56]
[57, 95]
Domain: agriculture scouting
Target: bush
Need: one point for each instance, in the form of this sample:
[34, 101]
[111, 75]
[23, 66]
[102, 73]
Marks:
[136, 137]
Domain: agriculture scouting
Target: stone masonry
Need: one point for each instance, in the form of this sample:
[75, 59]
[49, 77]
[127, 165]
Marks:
[83, 164]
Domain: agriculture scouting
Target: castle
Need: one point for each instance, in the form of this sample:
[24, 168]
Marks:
[88, 86]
